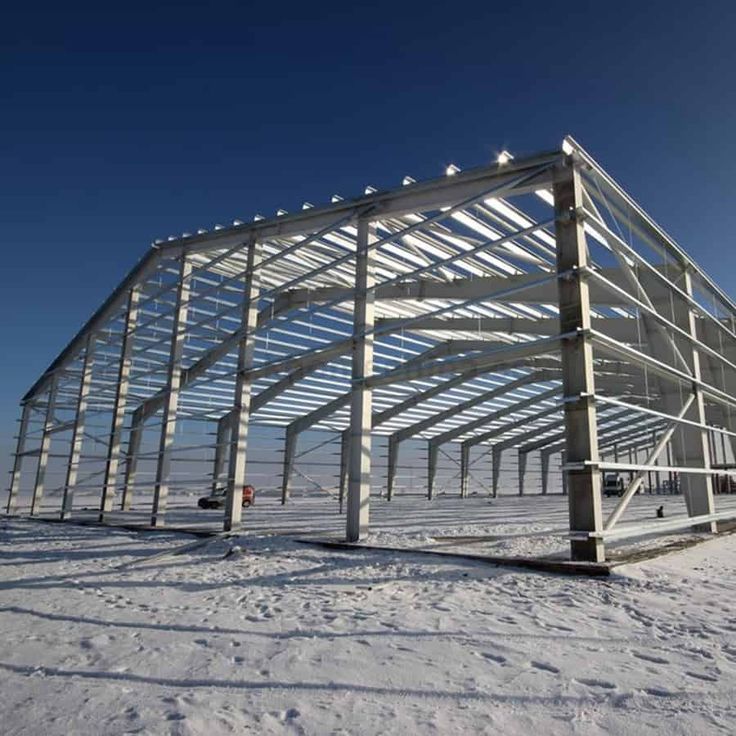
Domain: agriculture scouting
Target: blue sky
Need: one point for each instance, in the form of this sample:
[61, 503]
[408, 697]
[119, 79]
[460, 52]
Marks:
[122, 125]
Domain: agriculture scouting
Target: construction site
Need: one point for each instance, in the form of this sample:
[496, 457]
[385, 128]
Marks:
[518, 336]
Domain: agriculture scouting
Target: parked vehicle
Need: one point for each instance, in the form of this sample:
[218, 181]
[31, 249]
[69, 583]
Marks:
[671, 486]
[613, 484]
[216, 499]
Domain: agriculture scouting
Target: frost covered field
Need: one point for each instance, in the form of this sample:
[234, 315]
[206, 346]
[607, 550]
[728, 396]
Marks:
[280, 637]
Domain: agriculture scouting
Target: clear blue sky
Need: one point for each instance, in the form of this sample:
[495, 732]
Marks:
[120, 125]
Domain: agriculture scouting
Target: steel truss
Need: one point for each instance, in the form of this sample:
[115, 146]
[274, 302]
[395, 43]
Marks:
[529, 305]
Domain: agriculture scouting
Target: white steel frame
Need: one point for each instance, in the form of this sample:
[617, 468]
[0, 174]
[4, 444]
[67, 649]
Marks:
[530, 304]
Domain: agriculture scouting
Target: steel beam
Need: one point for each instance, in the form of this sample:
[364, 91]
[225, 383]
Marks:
[634, 485]
[496, 416]
[617, 327]
[428, 195]
[137, 275]
[436, 419]
[519, 288]
[607, 438]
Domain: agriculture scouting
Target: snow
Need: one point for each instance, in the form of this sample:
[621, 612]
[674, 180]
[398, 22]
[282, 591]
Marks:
[262, 634]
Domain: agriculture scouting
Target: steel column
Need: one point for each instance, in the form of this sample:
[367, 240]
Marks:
[171, 405]
[43, 455]
[290, 439]
[464, 469]
[544, 464]
[583, 485]
[359, 480]
[432, 452]
[698, 490]
[393, 456]
[522, 458]
[243, 394]
[131, 460]
[496, 470]
[344, 466]
[222, 440]
[12, 506]
[75, 451]
[112, 462]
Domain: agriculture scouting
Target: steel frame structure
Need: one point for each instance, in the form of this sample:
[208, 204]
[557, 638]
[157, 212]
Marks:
[529, 304]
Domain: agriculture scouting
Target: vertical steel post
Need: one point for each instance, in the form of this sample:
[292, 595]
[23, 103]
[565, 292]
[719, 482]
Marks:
[75, 451]
[544, 467]
[112, 462]
[690, 443]
[698, 490]
[131, 460]
[173, 383]
[20, 447]
[432, 452]
[393, 457]
[43, 455]
[496, 472]
[657, 478]
[723, 447]
[464, 469]
[581, 434]
[288, 463]
[243, 392]
[344, 454]
[359, 480]
[522, 471]
[222, 441]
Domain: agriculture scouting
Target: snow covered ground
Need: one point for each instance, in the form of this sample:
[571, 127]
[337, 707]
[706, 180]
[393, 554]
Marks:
[286, 638]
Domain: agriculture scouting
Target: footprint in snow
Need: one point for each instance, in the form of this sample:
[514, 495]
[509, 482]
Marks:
[592, 682]
[545, 667]
[499, 659]
[701, 676]
[559, 627]
[658, 692]
[651, 658]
